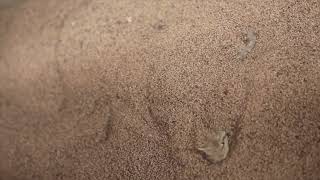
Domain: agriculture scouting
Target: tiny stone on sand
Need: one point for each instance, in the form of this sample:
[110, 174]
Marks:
[217, 146]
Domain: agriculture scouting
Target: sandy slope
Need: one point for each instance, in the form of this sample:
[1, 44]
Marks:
[122, 89]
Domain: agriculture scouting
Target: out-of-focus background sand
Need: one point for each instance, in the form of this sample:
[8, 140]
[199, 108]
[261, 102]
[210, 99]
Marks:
[123, 89]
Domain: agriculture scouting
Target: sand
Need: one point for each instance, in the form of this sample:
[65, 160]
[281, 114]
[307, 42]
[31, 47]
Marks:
[121, 89]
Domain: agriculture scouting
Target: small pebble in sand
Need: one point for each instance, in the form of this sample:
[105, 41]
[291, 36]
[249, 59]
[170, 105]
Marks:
[129, 19]
[217, 146]
[251, 42]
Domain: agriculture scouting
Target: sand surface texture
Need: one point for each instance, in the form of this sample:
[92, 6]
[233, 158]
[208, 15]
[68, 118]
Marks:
[131, 89]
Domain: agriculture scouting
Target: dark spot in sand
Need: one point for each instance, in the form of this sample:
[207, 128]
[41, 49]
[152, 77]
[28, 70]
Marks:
[160, 26]
[226, 92]
[118, 22]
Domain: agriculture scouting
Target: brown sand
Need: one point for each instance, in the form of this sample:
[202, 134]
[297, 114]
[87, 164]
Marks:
[123, 89]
